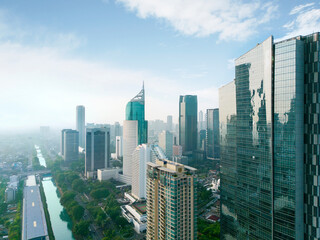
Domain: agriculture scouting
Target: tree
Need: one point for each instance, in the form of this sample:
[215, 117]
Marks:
[207, 230]
[71, 176]
[3, 208]
[78, 185]
[67, 196]
[77, 212]
[99, 193]
[82, 228]
[120, 221]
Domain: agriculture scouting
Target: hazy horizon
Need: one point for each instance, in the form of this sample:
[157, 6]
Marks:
[57, 55]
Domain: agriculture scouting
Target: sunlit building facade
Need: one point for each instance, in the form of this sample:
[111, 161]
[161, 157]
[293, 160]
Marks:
[135, 130]
[166, 143]
[171, 201]
[269, 143]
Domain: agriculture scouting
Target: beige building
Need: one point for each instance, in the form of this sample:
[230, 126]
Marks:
[171, 201]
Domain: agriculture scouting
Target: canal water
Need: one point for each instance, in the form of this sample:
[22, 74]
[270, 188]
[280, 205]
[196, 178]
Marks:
[60, 221]
[42, 161]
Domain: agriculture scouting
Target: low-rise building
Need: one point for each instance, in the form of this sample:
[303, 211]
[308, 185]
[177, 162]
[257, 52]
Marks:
[108, 173]
[12, 188]
[136, 213]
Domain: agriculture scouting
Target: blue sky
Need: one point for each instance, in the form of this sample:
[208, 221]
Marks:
[58, 54]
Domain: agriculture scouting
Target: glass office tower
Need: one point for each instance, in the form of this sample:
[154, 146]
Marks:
[213, 134]
[135, 111]
[288, 140]
[188, 111]
[97, 150]
[228, 150]
[312, 136]
[270, 143]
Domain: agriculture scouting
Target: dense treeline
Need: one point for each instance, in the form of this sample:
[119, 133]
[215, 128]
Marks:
[15, 226]
[208, 231]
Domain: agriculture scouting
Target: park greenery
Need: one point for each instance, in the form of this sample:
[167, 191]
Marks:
[97, 198]
[207, 230]
[15, 226]
[92, 202]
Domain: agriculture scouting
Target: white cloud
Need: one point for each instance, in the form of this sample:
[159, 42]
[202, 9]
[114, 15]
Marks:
[207, 98]
[42, 86]
[41, 83]
[230, 19]
[307, 21]
[299, 8]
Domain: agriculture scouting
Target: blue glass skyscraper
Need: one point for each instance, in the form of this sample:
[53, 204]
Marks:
[135, 111]
[188, 129]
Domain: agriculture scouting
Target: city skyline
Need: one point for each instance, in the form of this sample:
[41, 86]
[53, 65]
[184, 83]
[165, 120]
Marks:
[53, 62]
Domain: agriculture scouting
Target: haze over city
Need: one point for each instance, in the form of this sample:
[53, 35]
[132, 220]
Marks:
[56, 55]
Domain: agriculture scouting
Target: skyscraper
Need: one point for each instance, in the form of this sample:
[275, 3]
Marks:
[135, 130]
[135, 111]
[171, 201]
[166, 143]
[268, 121]
[201, 122]
[119, 152]
[81, 125]
[97, 150]
[70, 142]
[188, 111]
[169, 123]
[62, 141]
[143, 154]
[213, 134]
[202, 139]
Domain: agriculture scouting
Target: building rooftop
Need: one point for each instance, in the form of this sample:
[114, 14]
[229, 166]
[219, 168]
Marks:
[213, 218]
[34, 222]
[141, 207]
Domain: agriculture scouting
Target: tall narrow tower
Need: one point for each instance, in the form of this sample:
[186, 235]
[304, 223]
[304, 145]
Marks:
[188, 111]
[135, 129]
[80, 122]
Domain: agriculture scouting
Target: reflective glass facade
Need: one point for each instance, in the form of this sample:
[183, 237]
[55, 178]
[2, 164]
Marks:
[288, 140]
[188, 111]
[213, 134]
[135, 110]
[254, 142]
[269, 139]
[97, 149]
[252, 159]
[228, 146]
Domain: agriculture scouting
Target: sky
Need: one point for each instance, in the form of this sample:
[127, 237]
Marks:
[55, 55]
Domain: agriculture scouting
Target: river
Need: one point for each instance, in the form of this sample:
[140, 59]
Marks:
[42, 161]
[60, 221]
